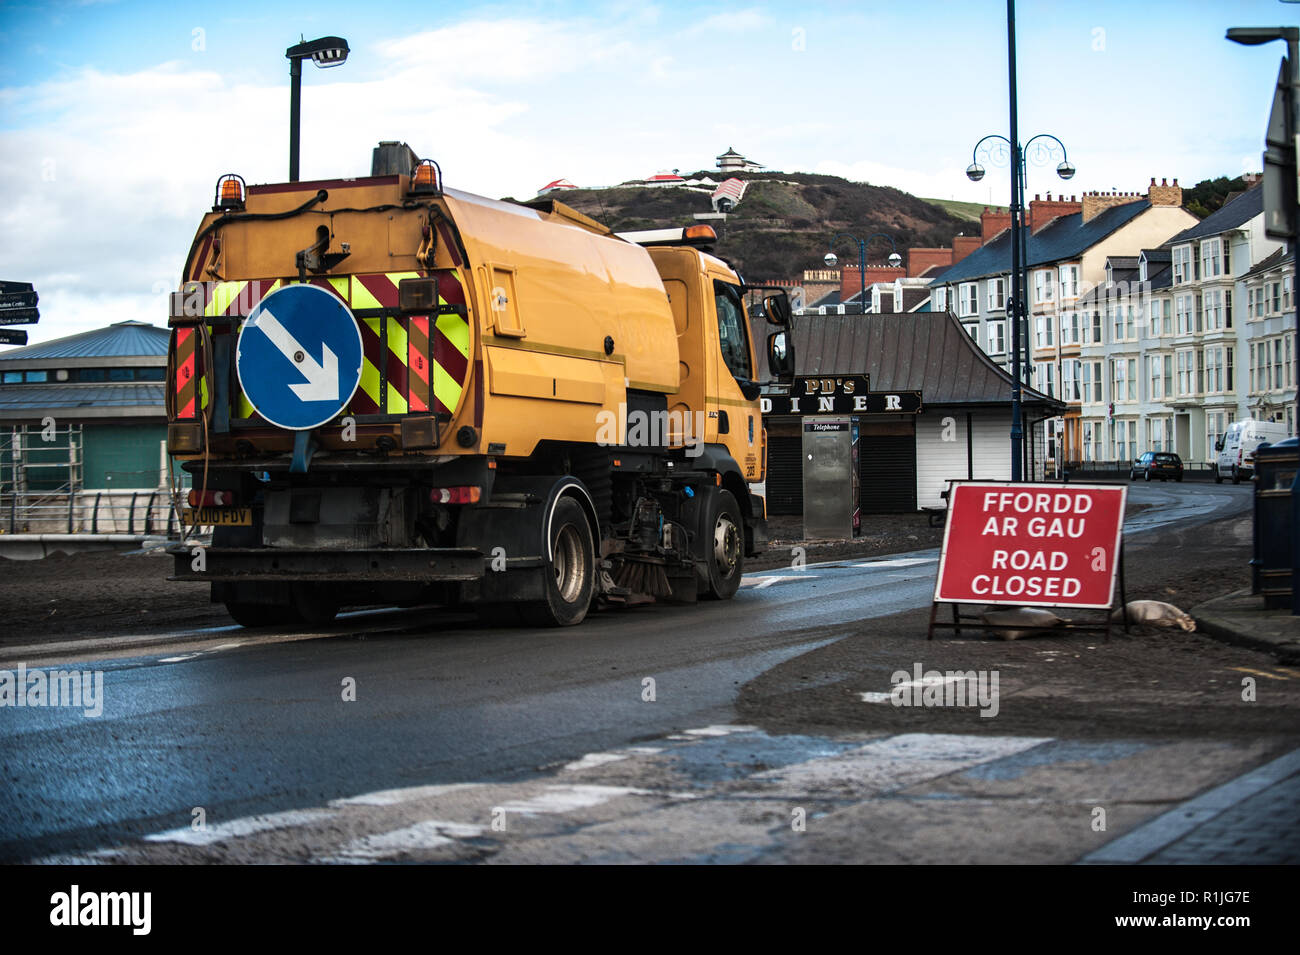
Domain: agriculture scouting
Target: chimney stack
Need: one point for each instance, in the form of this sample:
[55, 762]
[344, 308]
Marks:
[1043, 211]
[993, 224]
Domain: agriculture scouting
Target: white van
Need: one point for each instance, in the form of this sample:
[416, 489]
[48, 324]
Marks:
[1236, 452]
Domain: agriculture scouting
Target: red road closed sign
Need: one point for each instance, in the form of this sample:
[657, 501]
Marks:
[1031, 545]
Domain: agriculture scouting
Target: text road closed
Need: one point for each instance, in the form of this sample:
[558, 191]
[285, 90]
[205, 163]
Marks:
[1028, 545]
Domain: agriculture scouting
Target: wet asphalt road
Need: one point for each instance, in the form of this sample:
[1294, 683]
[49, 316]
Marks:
[262, 726]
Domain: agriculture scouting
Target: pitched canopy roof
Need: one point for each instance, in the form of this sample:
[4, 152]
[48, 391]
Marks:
[920, 351]
[120, 340]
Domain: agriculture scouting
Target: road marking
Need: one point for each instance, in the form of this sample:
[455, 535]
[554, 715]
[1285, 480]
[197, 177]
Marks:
[198, 653]
[238, 828]
[722, 729]
[898, 562]
[429, 834]
[1271, 676]
[395, 797]
[558, 799]
[592, 760]
[762, 583]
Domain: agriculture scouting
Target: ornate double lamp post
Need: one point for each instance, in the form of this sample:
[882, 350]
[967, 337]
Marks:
[831, 259]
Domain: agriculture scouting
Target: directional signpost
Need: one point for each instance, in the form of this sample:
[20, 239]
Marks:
[17, 307]
[299, 357]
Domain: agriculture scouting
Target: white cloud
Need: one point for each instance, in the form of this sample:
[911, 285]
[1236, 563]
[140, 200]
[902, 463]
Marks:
[508, 50]
[738, 21]
[107, 175]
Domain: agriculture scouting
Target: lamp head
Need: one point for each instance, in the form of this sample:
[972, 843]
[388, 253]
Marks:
[974, 172]
[325, 52]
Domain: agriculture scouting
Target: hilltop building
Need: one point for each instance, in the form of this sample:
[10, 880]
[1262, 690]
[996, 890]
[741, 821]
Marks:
[732, 161]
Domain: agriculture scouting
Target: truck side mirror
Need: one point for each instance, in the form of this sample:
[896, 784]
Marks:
[1218, 445]
[776, 309]
[780, 356]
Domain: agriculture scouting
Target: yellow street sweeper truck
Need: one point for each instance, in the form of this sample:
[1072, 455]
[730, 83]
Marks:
[388, 391]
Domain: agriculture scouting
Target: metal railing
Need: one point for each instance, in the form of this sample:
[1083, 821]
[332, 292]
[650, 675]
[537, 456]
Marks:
[133, 512]
[1113, 470]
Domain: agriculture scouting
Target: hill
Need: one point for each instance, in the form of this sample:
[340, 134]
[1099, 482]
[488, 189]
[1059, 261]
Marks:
[970, 211]
[785, 222]
[1208, 195]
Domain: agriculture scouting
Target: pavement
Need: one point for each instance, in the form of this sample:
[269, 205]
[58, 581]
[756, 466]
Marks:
[1251, 819]
[1242, 619]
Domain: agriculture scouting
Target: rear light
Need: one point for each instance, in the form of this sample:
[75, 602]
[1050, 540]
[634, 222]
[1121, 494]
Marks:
[211, 498]
[231, 191]
[465, 494]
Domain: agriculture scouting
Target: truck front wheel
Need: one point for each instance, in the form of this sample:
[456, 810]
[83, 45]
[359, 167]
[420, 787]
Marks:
[725, 547]
[570, 577]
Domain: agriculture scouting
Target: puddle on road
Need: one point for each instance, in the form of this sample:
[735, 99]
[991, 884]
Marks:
[740, 755]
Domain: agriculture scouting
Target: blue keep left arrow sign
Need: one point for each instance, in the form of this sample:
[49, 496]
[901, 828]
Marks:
[299, 357]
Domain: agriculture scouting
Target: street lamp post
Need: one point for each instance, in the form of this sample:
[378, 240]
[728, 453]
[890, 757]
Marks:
[1285, 201]
[325, 52]
[1019, 257]
[831, 259]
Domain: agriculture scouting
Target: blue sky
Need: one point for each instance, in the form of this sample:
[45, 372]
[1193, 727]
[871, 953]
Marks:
[117, 117]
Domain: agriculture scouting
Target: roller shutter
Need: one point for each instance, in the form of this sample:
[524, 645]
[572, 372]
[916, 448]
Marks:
[785, 475]
[887, 472]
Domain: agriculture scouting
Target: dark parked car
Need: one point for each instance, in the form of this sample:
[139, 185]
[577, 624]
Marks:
[1157, 464]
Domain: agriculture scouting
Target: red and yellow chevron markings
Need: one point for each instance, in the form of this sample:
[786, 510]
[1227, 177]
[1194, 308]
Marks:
[186, 371]
[424, 359]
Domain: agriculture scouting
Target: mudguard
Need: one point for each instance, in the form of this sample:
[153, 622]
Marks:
[513, 531]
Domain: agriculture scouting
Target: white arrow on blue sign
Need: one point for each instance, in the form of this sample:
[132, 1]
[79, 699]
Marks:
[299, 357]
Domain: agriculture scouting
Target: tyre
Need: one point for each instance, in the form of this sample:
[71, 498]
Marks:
[1179, 479]
[253, 615]
[1146, 475]
[570, 577]
[314, 605]
[724, 562]
[1218, 477]
[1132, 476]
[1236, 475]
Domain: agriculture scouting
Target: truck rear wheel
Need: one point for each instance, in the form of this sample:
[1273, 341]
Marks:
[314, 605]
[724, 561]
[570, 577]
[259, 615]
